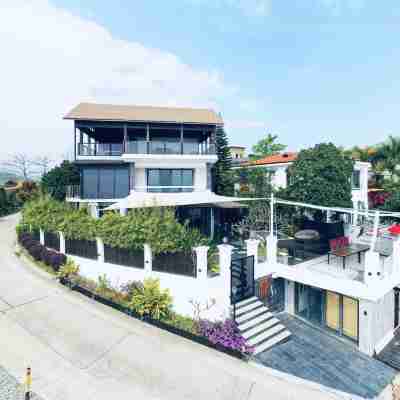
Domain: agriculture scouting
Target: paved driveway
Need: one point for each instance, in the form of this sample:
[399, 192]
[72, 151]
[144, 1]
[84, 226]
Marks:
[82, 350]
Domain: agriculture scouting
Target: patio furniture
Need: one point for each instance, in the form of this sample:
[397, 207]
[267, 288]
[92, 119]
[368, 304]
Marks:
[347, 251]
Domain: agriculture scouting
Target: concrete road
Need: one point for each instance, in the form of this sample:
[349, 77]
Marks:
[81, 350]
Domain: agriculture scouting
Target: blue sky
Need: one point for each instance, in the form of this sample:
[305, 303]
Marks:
[306, 70]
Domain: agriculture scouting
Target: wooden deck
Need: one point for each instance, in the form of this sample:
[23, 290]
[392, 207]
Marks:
[318, 356]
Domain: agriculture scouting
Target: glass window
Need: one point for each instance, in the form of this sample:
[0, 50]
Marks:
[355, 180]
[106, 183]
[89, 183]
[169, 180]
[333, 310]
[121, 183]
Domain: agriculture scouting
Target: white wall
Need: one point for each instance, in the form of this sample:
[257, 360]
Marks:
[183, 289]
[376, 327]
[361, 195]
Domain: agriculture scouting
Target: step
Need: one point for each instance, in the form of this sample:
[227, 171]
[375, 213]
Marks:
[272, 342]
[251, 314]
[260, 328]
[248, 324]
[265, 335]
[247, 301]
[249, 307]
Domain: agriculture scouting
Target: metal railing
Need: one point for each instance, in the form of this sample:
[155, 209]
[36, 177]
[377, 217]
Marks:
[100, 149]
[164, 189]
[73, 191]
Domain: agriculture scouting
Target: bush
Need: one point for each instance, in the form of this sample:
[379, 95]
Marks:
[151, 300]
[226, 334]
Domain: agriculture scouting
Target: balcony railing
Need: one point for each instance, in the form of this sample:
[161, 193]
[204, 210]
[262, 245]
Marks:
[144, 147]
[73, 191]
[100, 149]
[167, 147]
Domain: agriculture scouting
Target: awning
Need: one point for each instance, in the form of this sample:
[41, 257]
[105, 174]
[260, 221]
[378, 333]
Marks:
[146, 199]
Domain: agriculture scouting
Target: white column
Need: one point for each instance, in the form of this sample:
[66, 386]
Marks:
[289, 297]
[93, 210]
[123, 211]
[62, 242]
[252, 250]
[100, 250]
[225, 258]
[396, 256]
[201, 260]
[41, 235]
[366, 326]
[272, 240]
[148, 261]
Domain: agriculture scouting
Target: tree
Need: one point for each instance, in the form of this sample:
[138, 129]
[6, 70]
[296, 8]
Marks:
[267, 147]
[222, 173]
[321, 175]
[55, 181]
[43, 163]
[20, 164]
[365, 154]
[388, 155]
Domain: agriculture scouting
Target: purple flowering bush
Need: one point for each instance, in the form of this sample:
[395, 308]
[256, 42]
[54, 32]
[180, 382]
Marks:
[225, 333]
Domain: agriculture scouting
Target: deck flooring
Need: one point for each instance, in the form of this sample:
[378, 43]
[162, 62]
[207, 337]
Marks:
[320, 357]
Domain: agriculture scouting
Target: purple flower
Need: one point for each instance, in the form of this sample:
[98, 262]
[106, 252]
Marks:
[225, 333]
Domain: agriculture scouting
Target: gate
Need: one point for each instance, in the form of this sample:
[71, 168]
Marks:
[242, 280]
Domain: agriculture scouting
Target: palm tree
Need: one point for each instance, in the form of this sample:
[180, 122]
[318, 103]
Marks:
[388, 155]
[366, 154]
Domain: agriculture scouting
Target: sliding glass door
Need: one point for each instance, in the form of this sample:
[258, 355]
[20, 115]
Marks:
[324, 308]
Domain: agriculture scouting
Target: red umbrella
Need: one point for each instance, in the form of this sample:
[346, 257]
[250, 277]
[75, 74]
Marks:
[395, 229]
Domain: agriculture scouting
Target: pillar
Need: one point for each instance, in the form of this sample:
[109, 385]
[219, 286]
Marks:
[148, 261]
[62, 242]
[225, 258]
[252, 250]
[100, 250]
[41, 235]
[396, 256]
[289, 297]
[93, 210]
[201, 262]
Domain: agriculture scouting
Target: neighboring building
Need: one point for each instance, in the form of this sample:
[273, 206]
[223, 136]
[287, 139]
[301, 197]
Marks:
[277, 165]
[138, 155]
[237, 152]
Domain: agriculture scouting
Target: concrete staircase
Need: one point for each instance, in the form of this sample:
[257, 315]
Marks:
[258, 326]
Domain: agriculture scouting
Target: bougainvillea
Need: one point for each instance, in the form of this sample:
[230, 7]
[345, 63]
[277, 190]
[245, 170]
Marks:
[226, 334]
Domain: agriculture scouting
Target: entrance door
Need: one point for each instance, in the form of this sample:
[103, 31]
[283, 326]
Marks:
[396, 307]
[316, 305]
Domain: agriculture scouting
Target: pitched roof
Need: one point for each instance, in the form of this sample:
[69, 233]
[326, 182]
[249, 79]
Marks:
[275, 159]
[109, 112]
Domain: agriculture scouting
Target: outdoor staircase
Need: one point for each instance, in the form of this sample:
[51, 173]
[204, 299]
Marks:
[258, 326]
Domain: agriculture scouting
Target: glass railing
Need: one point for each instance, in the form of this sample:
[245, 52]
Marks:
[160, 147]
[100, 149]
[165, 147]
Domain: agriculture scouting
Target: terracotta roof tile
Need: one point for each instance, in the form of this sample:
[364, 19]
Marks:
[275, 159]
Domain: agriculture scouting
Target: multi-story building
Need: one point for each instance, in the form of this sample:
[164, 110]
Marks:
[140, 154]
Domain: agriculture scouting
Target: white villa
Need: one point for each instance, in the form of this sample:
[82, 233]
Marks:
[278, 165]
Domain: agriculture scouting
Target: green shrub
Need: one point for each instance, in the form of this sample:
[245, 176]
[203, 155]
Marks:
[182, 322]
[151, 300]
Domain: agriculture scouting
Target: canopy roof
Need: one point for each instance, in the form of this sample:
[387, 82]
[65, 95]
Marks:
[131, 113]
[146, 199]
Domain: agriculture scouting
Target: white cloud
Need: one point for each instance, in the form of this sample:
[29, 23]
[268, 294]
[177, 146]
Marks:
[52, 60]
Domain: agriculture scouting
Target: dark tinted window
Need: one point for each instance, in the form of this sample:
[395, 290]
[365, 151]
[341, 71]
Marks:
[90, 182]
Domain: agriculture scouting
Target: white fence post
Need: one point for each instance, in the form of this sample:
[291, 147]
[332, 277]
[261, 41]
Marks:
[100, 250]
[252, 250]
[148, 260]
[41, 232]
[62, 242]
[272, 249]
[225, 258]
[201, 261]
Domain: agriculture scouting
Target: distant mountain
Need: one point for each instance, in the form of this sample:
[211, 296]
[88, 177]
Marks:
[6, 176]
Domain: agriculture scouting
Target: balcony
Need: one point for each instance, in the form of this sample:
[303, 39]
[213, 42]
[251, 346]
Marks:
[100, 149]
[169, 147]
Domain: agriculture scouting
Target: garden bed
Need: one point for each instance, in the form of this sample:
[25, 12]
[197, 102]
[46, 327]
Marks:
[158, 323]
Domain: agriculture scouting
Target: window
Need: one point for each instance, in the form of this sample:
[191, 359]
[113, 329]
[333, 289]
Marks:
[170, 180]
[106, 182]
[355, 180]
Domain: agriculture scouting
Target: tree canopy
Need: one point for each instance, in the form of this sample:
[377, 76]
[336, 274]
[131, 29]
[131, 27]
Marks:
[57, 179]
[267, 147]
[321, 175]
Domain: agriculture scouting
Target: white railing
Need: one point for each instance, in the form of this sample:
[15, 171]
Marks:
[164, 189]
